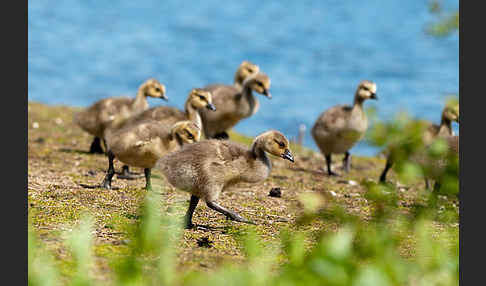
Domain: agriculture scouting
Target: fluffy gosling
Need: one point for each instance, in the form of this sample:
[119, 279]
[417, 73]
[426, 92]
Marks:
[102, 114]
[142, 144]
[233, 105]
[444, 129]
[340, 127]
[206, 168]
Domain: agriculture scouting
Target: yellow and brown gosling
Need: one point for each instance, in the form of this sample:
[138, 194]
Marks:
[104, 113]
[450, 113]
[435, 167]
[233, 105]
[245, 70]
[206, 168]
[340, 127]
[142, 144]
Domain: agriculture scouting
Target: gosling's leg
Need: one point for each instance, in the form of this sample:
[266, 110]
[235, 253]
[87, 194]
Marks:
[347, 162]
[328, 162]
[229, 214]
[436, 187]
[109, 174]
[96, 146]
[127, 175]
[190, 212]
[427, 185]
[222, 136]
[385, 171]
[148, 183]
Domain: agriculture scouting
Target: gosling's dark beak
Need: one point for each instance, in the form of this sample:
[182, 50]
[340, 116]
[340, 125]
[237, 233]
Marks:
[164, 98]
[211, 106]
[373, 96]
[287, 155]
[267, 93]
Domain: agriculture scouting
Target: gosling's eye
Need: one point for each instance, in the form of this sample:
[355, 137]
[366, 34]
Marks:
[280, 144]
[189, 135]
[201, 97]
[250, 70]
[157, 89]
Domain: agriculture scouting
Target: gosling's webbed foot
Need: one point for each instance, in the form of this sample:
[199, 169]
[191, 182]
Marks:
[333, 174]
[127, 175]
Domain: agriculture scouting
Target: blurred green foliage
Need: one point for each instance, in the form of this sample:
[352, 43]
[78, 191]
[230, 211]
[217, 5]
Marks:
[447, 22]
[361, 252]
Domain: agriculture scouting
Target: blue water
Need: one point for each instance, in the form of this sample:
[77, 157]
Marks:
[315, 53]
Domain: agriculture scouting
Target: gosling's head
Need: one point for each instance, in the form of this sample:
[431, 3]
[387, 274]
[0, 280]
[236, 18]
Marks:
[451, 113]
[154, 88]
[186, 132]
[260, 83]
[245, 70]
[200, 98]
[276, 144]
[366, 90]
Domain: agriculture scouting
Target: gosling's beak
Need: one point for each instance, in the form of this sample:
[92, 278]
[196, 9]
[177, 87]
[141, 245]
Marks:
[164, 97]
[211, 106]
[287, 155]
[267, 93]
[373, 96]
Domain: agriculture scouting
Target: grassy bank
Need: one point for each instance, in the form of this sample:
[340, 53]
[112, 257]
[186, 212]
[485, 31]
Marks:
[58, 166]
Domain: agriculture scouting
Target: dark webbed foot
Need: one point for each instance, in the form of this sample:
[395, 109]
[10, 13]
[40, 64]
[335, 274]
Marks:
[333, 174]
[222, 136]
[228, 213]
[127, 175]
[95, 147]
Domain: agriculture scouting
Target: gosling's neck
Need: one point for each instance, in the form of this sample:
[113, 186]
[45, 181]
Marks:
[259, 154]
[141, 99]
[193, 114]
[247, 93]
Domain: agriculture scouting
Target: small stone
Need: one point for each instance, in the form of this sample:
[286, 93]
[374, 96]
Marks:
[58, 121]
[275, 192]
[352, 183]
[333, 193]
[35, 125]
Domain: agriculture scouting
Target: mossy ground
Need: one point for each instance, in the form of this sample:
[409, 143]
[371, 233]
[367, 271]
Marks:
[58, 165]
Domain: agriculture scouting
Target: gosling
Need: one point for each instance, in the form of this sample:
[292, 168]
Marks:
[435, 167]
[206, 168]
[449, 114]
[233, 105]
[102, 114]
[339, 128]
[142, 144]
[438, 167]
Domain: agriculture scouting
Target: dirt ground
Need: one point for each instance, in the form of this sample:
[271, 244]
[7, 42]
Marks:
[59, 165]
